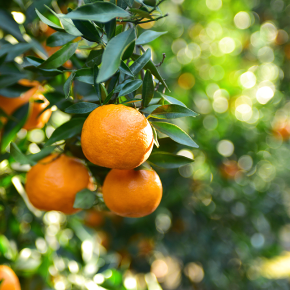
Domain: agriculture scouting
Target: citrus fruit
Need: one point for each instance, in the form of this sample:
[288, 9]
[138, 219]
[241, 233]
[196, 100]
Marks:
[94, 218]
[132, 193]
[54, 181]
[116, 136]
[35, 119]
[10, 280]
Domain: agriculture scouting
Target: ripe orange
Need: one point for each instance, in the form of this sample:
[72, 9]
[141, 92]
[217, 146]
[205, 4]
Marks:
[10, 280]
[54, 181]
[36, 121]
[116, 136]
[94, 218]
[132, 193]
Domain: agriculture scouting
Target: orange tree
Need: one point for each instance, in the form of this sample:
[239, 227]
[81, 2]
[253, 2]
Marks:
[92, 67]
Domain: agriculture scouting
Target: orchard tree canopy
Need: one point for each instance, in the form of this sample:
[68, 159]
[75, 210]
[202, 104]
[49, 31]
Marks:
[100, 98]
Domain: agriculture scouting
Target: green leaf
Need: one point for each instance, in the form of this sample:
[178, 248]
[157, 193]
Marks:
[48, 22]
[147, 89]
[88, 30]
[43, 153]
[113, 53]
[59, 39]
[172, 112]
[14, 91]
[113, 81]
[155, 136]
[13, 125]
[170, 100]
[97, 86]
[60, 57]
[140, 62]
[108, 98]
[110, 28]
[85, 199]
[142, 13]
[151, 66]
[8, 24]
[68, 25]
[81, 108]
[67, 85]
[148, 36]
[149, 109]
[98, 11]
[168, 160]
[66, 130]
[175, 133]
[129, 50]
[8, 80]
[125, 69]
[119, 29]
[18, 156]
[129, 2]
[94, 58]
[85, 75]
[3, 58]
[130, 87]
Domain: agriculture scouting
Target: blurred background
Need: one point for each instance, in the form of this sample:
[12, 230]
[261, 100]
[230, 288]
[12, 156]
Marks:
[223, 222]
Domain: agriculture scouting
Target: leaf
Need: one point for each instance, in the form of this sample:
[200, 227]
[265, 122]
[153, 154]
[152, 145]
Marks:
[85, 75]
[3, 58]
[175, 133]
[113, 53]
[7, 80]
[9, 25]
[66, 130]
[151, 66]
[97, 86]
[129, 50]
[18, 156]
[110, 28]
[98, 11]
[94, 58]
[149, 109]
[108, 98]
[43, 153]
[147, 89]
[88, 30]
[142, 13]
[68, 25]
[59, 39]
[18, 49]
[155, 137]
[125, 69]
[172, 112]
[14, 91]
[67, 85]
[148, 36]
[140, 62]
[168, 160]
[130, 87]
[13, 125]
[60, 57]
[81, 108]
[129, 2]
[85, 199]
[114, 80]
[48, 22]
[170, 100]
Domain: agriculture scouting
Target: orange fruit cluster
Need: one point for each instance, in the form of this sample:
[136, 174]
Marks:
[35, 120]
[113, 136]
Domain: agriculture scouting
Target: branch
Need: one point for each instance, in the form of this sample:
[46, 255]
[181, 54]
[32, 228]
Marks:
[161, 62]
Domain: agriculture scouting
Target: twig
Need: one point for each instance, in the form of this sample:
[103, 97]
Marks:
[153, 9]
[140, 22]
[161, 62]
[141, 48]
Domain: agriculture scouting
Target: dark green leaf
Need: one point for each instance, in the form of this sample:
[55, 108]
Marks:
[3, 58]
[119, 29]
[69, 26]
[170, 100]
[85, 75]
[148, 36]
[155, 137]
[13, 125]
[125, 69]
[129, 2]
[175, 133]
[43, 153]
[59, 39]
[129, 50]
[147, 89]
[60, 57]
[130, 87]
[88, 30]
[112, 55]
[8, 24]
[140, 62]
[94, 58]
[48, 22]
[98, 11]
[113, 81]
[67, 84]
[66, 130]
[97, 86]
[110, 28]
[108, 98]
[172, 112]
[14, 91]
[122, 4]
[81, 108]
[168, 160]
[18, 156]
[85, 199]
[150, 109]
[141, 13]
[8, 80]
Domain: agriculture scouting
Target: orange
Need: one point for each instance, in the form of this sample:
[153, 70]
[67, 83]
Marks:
[10, 280]
[116, 136]
[132, 193]
[94, 218]
[35, 119]
[54, 181]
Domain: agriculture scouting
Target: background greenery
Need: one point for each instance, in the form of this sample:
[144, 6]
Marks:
[224, 220]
